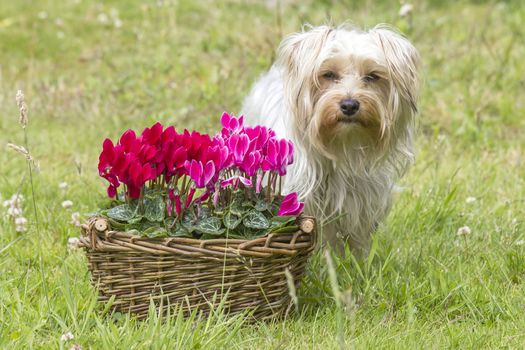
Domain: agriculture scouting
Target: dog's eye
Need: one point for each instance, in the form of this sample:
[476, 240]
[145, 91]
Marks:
[330, 76]
[371, 77]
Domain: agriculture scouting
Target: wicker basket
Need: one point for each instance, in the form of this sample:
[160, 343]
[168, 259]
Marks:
[246, 275]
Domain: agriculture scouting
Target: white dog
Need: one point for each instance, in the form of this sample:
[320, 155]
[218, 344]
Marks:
[347, 99]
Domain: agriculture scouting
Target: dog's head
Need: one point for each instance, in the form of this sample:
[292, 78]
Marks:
[349, 87]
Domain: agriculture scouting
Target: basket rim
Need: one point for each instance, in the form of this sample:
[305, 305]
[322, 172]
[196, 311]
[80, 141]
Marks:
[97, 236]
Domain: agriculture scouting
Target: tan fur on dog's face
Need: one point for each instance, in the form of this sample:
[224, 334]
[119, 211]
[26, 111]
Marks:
[326, 66]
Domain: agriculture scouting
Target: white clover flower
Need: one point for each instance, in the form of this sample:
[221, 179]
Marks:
[21, 224]
[113, 12]
[17, 199]
[520, 242]
[63, 185]
[67, 204]
[14, 212]
[463, 231]
[66, 336]
[73, 243]
[117, 23]
[7, 203]
[42, 15]
[470, 200]
[405, 10]
[103, 18]
[75, 219]
[21, 221]
[75, 347]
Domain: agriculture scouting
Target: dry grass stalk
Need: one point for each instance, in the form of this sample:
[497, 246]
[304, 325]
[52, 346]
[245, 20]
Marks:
[20, 101]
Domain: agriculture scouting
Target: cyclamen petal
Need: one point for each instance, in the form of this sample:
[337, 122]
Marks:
[108, 149]
[241, 146]
[234, 124]
[133, 191]
[147, 173]
[189, 198]
[203, 197]
[246, 182]
[209, 172]
[227, 182]
[169, 207]
[179, 157]
[127, 138]
[178, 205]
[271, 152]
[112, 191]
[196, 171]
[290, 206]
[225, 120]
[168, 135]
[155, 133]
[135, 171]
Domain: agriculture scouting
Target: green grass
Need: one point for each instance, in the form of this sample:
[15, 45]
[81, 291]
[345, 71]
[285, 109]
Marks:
[184, 62]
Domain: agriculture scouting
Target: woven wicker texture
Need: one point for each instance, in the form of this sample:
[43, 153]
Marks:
[247, 275]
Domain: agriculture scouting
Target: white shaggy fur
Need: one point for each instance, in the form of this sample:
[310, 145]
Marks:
[345, 167]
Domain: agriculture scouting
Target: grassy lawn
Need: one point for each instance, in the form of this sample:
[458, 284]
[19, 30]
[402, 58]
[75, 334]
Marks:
[90, 70]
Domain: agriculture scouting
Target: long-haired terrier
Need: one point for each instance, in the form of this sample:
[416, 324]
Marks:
[348, 100]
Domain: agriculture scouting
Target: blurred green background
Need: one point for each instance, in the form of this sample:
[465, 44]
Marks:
[91, 69]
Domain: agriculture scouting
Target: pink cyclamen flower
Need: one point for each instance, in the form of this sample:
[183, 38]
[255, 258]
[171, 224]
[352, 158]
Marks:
[153, 135]
[238, 145]
[232, 124]
[200, 174]
[290, 206]
[234, 181]
[259, 136]
[251, 163]
[279, 154]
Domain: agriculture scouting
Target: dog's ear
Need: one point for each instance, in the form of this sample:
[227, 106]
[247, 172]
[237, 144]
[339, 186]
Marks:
[403, 62]
[299, 51]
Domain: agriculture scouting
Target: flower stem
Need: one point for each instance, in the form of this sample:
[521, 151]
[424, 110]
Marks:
[37, 222]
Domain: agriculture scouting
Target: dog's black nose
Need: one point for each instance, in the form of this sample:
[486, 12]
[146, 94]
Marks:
[349, 107]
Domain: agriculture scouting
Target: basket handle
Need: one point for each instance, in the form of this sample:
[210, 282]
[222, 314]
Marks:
[307, 225]
[96, 226]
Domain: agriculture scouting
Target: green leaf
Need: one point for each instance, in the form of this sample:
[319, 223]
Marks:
[211, 225]
[134, 232]
[236, 209]
[231, 221]
[247, 204]
[282, 224]
[116, 225]
[155, 231]
[179, 231]
[121, 212]
[282, 220]
[188, 220]
[154, 207]
[256, 220]
[261, 205]
[235, 235]
[135, 220]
